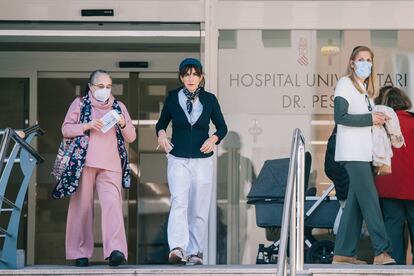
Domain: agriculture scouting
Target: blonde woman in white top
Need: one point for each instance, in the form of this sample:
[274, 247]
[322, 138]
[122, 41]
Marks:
[353, 104]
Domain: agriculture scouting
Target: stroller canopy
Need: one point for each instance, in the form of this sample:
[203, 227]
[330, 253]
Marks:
[270, 185]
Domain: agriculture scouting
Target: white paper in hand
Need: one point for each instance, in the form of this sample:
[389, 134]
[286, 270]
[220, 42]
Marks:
[109, 120]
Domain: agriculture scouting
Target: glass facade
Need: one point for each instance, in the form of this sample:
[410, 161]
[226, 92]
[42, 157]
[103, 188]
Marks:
[271, 82]
[145, 205]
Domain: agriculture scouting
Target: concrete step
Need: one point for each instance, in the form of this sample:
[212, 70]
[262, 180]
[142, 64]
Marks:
[147, 270]
[356, 270]
[225, 270]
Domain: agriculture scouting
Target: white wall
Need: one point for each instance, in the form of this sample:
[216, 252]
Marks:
[231, 14]
[70, 61]
[226, 14]
[124, 10]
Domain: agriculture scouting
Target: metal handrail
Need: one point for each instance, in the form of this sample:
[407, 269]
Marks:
[293, 209]
[28, 158]
[26, 146]
[10, 134]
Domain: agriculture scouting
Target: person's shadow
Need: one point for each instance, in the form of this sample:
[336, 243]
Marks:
[235, 175]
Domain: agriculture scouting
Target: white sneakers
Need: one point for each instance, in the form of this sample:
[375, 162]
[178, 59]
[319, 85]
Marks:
[195, 259]
[177, 256]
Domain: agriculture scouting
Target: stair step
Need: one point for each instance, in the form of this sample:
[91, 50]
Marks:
[363, 270]
[205, 270]
[148, 270]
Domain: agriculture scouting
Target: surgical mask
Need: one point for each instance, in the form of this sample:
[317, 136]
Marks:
[102, 94]
[363, 69]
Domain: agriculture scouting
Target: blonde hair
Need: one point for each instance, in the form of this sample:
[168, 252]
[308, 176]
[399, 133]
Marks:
[370, 81]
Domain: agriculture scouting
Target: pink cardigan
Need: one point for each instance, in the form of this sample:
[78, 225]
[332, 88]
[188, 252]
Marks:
[102, 149]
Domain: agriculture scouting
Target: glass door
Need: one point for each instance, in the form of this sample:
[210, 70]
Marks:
[14, 113]
[14, 101]
[146, 204]
[54, 64]
[56, 91]
[152, 195]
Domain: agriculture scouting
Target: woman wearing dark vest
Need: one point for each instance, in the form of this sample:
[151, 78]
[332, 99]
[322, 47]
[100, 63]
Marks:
[353, 114]
[190, 164]
[100, 163]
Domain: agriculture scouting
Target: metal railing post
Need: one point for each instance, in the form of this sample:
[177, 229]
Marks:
[293, 225]
[300, 206]
[293, 210]
[3, 147]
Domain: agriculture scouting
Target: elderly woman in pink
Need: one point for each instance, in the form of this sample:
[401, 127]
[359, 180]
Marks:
[99, 163]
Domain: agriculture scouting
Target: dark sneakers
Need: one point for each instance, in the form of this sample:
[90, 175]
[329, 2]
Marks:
[82, 262]
[116, 258]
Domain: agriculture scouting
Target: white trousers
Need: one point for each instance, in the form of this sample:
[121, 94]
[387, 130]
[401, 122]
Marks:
[190, 182]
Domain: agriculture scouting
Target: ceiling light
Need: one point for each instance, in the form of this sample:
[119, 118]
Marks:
[330, 51]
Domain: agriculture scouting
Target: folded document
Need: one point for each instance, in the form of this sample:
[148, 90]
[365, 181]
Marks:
[109, 120]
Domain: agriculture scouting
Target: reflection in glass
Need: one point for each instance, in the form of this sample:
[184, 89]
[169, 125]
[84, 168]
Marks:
[282, 80]
[153, 196]
[235, 175]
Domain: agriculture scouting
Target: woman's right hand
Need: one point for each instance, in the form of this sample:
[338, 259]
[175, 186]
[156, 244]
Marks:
[379, 118]
[163, 141]
[94, 124]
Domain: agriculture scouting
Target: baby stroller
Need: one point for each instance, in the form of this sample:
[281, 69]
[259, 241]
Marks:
[267, 194]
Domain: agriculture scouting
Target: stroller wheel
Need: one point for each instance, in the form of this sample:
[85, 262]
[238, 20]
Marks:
[321, 252]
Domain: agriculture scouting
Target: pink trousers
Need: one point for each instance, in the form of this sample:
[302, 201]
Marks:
[79, 226]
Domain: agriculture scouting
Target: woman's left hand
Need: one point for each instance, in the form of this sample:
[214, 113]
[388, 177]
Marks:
[21, 134]
[209, 144]
[121, 121]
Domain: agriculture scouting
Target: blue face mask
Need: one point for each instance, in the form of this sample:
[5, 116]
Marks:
[363, 69]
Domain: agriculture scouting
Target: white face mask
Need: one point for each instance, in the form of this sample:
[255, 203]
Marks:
[102, 94]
